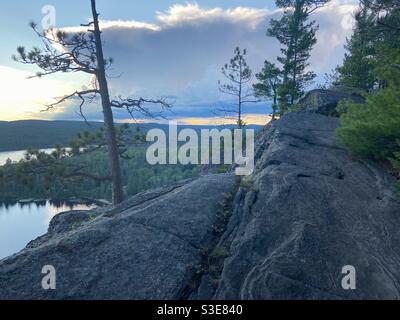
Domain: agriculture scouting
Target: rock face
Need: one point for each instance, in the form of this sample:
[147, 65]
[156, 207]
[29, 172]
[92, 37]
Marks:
[325, 101]
[286, 232]
[146, 248]
[311, 211]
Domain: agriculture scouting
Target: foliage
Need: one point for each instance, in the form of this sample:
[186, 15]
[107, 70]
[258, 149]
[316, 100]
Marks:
[358, 66]
[297, 35]
[372, 130]
[396, 164]
[270, 78]
[82, 170]
[377, 25]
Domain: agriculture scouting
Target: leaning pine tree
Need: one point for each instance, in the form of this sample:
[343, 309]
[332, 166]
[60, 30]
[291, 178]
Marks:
[64, 52]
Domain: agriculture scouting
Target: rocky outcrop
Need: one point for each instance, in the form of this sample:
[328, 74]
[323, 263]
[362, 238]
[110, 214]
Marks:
[284, 233]
[311, 211]
[146, 248]
[325, 101]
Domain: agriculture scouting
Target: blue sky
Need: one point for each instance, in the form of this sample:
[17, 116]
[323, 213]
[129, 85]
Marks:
[161, 48]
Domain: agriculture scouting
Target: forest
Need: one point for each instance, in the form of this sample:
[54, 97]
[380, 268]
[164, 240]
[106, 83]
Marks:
[137, 176]
[112, 160]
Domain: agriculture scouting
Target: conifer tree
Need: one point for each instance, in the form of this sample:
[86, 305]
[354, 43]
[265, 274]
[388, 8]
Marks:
[269, 81]
[357, 70]
[296, 33]
[238, 75]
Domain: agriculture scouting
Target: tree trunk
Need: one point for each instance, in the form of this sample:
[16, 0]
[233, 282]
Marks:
[113, 154]
[275, 106]
[240, 98]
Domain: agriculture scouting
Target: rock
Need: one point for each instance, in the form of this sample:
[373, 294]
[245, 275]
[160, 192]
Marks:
[286, 233]
[325, 101]
[149, 250]
[315, 211]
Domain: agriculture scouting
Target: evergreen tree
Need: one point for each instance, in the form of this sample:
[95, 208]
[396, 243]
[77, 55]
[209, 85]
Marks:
[297, 36]
[239, 75]
[270, 78]
[358, 66]
[372, 129]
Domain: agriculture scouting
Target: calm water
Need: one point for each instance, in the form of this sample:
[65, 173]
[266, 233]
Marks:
[21, 223]
[16, 155]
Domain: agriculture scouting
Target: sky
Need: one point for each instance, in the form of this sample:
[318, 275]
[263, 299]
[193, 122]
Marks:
[161, 48]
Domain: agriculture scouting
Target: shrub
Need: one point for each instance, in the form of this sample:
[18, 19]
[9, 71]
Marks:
[372, 129]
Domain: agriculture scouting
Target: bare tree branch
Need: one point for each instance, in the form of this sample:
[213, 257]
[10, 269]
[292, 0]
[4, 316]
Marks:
[139, 105]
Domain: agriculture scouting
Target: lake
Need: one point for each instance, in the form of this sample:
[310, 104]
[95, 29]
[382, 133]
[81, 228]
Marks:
[15, 156]
[22, 222]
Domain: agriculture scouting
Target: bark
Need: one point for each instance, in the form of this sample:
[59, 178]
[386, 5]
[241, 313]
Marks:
[115, 168]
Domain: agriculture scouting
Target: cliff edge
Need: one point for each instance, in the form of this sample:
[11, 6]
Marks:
[284, 233]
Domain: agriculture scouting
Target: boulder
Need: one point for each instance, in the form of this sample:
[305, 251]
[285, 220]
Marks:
[325, 101]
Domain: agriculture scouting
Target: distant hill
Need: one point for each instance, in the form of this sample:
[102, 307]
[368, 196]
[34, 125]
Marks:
[21, 135]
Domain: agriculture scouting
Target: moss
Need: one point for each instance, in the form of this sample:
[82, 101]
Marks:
[76, 225]
[212, 255]
[223, 168]
[224, 211]
[91, 217]
[247, 183]
[204, 251]
[220, 252]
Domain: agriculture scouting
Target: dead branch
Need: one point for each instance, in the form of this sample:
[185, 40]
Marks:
[139, 105]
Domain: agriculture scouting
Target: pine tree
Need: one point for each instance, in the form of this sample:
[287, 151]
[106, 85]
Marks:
[270, 78]
[239, 75]
[372, 129]
[297, 36]
[357, 70]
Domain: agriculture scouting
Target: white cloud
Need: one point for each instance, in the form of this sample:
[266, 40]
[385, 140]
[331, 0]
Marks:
[194, 14]
[182, 53]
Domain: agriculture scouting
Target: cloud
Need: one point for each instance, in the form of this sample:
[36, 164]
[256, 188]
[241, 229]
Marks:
[182, 53]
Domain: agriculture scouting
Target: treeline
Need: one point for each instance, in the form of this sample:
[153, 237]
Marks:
[372, 65]
[21, 135]
[138, 175]
[80, 169]
[40, 134]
